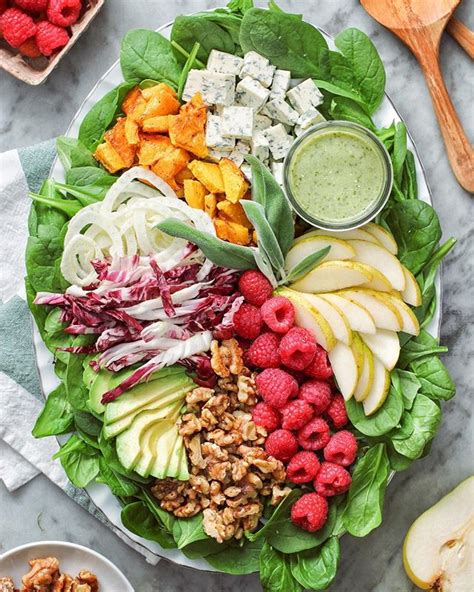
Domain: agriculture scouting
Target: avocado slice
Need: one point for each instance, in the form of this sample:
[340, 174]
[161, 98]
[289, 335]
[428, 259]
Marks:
[175, 456]
[142, 395]
[129, 443]
[103, 382]
[163, 449]
[183, 472]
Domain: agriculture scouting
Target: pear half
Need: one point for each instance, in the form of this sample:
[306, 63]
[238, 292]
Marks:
[438, 552]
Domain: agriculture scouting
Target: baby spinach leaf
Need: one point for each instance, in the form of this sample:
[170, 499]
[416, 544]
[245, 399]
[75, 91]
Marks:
[118, 484]
[166, 519]
[419, 347]
[266, 237]
[436, 383]
[102, 114]
[204, 548]
[268, 193]
[275, 572]
[56, 416]
[366, 65]
[73, 153]
[241, 6]
[190, 63]
[399, 151]
[363, 512]
[147, 54]
[397, 461]
[347, 109]
[187, 30]
[79, 460]
[286, 40]
[426, 417]
[87, 423]
[188, 530]
[415, 226]
[380, 422]
[405, 428]
[89, 176]
[238, 558]
[138, 519]
[306, 265]
[218, 251]
[315, 570]
[407, 384]
[409, 184]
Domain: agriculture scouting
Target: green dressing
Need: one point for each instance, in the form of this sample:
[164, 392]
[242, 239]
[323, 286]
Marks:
[337, 175]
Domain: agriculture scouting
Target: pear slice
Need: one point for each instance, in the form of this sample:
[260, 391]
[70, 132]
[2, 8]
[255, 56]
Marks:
[380, 258]
[366, 374]
[340, 250]
[336, 320]
[357, 316]
[438, 552]
[384, 313]
[333, 275]
[379, 282]
[412, 293]
[356, 234]
[379, 390]
[384, 237]
[385, 346]
[307, 316]
[344, 366]
[410, 323]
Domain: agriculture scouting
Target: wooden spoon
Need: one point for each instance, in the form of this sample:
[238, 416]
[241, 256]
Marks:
[463, 35]
[420, 24]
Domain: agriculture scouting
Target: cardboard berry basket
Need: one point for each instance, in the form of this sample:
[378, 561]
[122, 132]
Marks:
[34, 71]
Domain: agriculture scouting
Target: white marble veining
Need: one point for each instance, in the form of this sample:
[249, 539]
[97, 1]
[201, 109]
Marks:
[32, 114]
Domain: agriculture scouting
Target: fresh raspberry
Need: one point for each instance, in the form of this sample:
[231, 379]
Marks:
[297, 375]
[319, 367]
[337, 411]
[32, 5]
[310, 512]
[255, 287]
[332, 480]
[276, 387]
[303, 467]
[64, 13]
[341, 449]
[265, 415]
[279, 314]
[314, 435]
[263, 352]
[281, 444]
[3, 7]
[297, 348]
[49, 37]
[30, 48]
[248, 321]
[296, 414]
[318, 393]
[16, 26]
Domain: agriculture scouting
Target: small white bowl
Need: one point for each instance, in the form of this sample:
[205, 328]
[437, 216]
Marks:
[72, 559]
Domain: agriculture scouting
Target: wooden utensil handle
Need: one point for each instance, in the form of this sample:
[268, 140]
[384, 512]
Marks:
[460, 152]
[463, 35]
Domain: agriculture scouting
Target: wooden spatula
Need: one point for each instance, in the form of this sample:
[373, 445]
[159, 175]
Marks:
[420, 24]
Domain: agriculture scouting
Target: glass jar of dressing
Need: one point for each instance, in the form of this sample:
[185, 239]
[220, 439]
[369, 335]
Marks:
[338, 175]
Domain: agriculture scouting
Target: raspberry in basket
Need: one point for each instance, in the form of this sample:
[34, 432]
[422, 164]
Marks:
[266, 416]
[310, 512]
[263, 352]
[296, 414]
[255, 287]
[332, 480]
[341, 449]
[64, 13]
[297, 348]
[316, 392]
[276, 387]
[30, 48]
[278, 314]
[337, 411]
[248, 321]
[303, 467]
[16, 26]
[281, 444]
[319, 367]
[49, 38]
[32, 5]
[314, 435]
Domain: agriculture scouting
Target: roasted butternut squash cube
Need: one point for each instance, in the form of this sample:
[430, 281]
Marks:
[161, 99]
[210, 204]
[234, 212]
[132, 130]
[183, 175]
[231, 231]
[159, 124]
[153, 147]
[170, 165]
[194, 193]
[118, 139]
[235, 184]
[209, 174]
[106, 154]
[134, 104]
[188, 129]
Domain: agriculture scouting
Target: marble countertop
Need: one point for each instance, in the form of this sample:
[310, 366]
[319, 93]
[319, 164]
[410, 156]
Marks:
[32, 114]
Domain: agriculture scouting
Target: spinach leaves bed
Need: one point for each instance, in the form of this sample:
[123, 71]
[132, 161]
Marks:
[352, 81]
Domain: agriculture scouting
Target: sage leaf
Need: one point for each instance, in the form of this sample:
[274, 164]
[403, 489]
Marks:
[218, 251]
[266, 237]
[307, 264]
